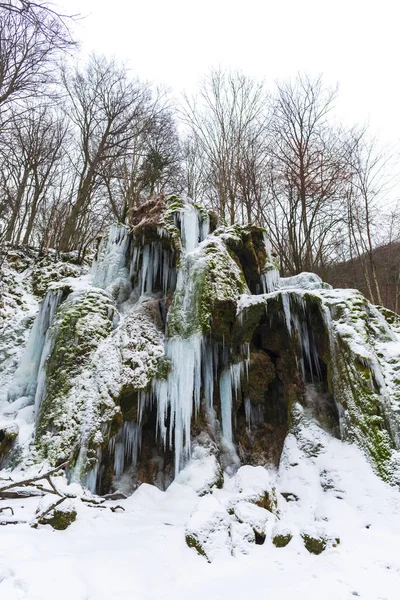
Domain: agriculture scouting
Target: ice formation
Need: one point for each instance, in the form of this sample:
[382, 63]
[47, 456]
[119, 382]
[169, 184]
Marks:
[30, 378]
[173, 338]
[125, 446]
[112, 257]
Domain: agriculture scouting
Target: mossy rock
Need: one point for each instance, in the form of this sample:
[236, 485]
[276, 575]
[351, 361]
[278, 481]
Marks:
[261, 373]
[282, 540]
[192, 542]
[47, 272]
[269, 501]
[216, 283]
[60, 517]
[315, 544]
[80, 324]
[8, 435]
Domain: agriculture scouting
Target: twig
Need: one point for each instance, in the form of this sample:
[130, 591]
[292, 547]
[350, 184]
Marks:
[7, 508]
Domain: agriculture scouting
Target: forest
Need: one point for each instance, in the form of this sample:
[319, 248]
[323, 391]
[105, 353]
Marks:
[83, 142]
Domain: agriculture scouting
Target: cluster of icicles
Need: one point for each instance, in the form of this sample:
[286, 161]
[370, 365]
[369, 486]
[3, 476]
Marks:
[30, 377]
[197, 365]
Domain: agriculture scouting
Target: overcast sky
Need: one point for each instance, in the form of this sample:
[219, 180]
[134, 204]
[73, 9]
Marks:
[174, 42]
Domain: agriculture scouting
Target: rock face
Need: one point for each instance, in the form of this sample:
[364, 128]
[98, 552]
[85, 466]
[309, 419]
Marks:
[185, 342]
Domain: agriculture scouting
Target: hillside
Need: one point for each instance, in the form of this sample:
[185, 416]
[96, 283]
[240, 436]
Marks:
[184, 419]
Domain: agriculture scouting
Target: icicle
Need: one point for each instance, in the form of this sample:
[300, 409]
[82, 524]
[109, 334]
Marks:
[112, 261]
[270, 276]
[91, 478]
[125, 446]
[165, 271]
[230, 382]
[179, 393]
[253, 413]
[326, 316]
[190, 227]
[144, 269]
[208, 373]
[286, 309]
[270, 281]
[31, 370]
[155, 269]
[225, 391]
[204, 227]
[309, 353]
[247, 411]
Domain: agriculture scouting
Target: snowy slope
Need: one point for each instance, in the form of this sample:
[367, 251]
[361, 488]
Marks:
[141, 553]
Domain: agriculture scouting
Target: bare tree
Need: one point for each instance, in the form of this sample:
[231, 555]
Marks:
[229, 110]
[370, 182]
[103, 105]
[32, 35]
[152, 162]
[30, 150]
[306, 174]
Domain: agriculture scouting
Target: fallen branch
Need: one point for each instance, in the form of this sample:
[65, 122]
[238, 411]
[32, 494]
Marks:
[3, 508]
[92, 500]
[115, 496]
[112, 508]
[24, 493]
[13, 522]
[32, 481]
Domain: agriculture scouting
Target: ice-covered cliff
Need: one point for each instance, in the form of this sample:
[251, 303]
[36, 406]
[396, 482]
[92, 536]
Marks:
[184, 335]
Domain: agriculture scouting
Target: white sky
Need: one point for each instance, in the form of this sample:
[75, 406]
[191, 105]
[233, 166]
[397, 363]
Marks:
[174, 42]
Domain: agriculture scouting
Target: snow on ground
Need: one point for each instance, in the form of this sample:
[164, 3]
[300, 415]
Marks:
[141, 553]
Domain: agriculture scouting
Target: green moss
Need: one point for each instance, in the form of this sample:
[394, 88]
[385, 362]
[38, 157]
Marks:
[81, 323]
[314, 544]
[192, 542]
[59, 519]
[163, 368]
[261, 374]
[269, 501]
[280, 541]
[213, 284]
[246, 246]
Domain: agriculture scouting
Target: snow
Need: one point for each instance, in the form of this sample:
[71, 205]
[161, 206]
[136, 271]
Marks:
[256, 516]
[323, 487]
[142, 552]
[201, 473]
[306, 281]
[256, 479]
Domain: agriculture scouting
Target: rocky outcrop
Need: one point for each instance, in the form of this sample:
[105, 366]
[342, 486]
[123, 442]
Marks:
[185, 343]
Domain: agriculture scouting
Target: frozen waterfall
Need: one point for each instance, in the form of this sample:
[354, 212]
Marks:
[30, 376]
[112, 257]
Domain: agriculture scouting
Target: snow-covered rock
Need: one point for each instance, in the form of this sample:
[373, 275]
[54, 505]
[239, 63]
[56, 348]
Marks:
[207, 530]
